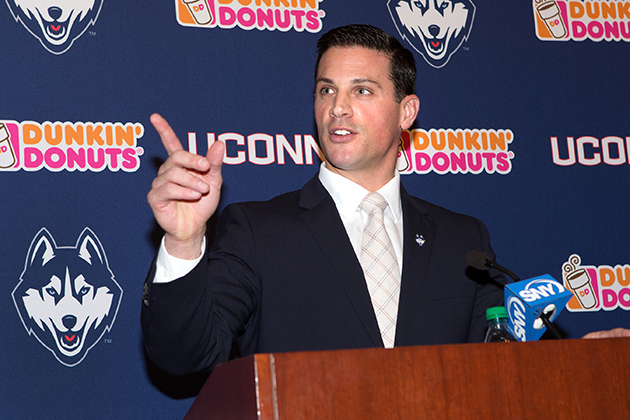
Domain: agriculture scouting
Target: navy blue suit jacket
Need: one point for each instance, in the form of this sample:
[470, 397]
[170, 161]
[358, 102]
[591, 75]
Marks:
[283, 276]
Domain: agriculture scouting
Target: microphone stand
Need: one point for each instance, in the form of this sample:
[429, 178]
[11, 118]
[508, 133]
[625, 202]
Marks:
[552, 328]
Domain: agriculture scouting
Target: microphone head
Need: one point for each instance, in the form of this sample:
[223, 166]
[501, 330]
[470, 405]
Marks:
[478, 260]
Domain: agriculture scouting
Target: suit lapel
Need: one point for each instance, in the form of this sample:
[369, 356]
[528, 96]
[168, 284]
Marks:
[419, 237]
[322, 219]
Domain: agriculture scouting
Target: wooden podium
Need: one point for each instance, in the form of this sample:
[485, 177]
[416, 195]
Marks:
[559, 379]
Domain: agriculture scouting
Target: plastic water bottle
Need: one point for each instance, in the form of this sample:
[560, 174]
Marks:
[498, 328]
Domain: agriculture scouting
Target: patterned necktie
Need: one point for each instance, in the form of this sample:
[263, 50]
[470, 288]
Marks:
[380, 266]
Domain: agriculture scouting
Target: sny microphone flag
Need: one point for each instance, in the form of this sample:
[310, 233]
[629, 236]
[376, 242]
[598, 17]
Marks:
[526, 300]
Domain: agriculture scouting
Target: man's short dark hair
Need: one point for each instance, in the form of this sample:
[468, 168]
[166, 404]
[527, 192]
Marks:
[402, 64]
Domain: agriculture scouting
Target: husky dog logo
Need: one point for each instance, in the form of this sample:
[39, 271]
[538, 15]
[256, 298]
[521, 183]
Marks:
[434, 28]
[56, 23]
[67, 296]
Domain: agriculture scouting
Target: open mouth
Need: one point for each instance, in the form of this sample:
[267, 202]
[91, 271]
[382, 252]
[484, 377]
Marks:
[69, 340]
[435, 45]
[340, 135]
[56, 30]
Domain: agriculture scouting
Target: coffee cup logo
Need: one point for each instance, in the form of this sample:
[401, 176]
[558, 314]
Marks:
[200, 11]
[7, 156]
[549, 12]
[579, 282]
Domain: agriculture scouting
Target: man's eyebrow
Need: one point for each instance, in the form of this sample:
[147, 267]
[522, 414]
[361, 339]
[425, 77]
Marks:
[364, 81]
[323, 80]
[357, 81]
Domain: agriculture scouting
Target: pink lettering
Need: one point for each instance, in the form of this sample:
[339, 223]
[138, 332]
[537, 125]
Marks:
[130, 160]
[55, 158]
[579, 29]
[423, 162]
[489, 157]
[313, 23]
[265, 18]
[280, 22]
[113, 155]
[610, 298]
[227, 17]
[595, 29]
[298, 14]
[96, 158]
[76, 158]
[246, 17]
[503, 162]
[474, 162]
[33, 158]
[440, 162]
[458, 162]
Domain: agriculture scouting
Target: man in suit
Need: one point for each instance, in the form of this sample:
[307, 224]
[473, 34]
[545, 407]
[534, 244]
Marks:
[290, 274]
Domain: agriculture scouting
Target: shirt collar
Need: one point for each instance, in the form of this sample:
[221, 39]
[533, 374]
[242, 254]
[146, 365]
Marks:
[347, 194]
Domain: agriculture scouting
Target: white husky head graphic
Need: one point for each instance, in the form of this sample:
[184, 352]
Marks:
[67, 296]
[56, 23]
[434, 28]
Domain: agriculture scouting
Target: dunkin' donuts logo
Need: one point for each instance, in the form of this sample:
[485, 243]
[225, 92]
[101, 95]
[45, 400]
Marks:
[59, 146]
[455, 151]
[283, 15]
[596, 287]
[597, 20]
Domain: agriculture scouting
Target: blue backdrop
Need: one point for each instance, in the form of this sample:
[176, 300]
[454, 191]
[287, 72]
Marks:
[523, 123]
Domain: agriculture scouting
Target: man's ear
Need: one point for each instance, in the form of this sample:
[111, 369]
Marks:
[409, 110]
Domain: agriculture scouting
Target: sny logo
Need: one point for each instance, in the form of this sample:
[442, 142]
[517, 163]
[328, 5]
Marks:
[67, 296]
[434, 28]
[57, 24]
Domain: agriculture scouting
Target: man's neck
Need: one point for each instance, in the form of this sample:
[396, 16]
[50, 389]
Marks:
[370, 181]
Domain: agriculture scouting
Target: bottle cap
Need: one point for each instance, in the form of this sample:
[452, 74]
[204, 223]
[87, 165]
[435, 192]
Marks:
[496, 312]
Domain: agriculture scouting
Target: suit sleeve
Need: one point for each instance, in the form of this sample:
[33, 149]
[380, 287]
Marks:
[192, 324]
[489, 290]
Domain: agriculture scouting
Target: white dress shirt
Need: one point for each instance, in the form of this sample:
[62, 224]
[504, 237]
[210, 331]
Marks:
[347, 196]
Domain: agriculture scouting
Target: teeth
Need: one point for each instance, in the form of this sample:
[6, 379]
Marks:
[342, 132]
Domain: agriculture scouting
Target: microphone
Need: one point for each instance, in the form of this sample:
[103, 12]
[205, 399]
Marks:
[480, 261]
[532, 304]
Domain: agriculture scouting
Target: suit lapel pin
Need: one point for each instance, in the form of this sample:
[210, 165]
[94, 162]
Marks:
[420, 239]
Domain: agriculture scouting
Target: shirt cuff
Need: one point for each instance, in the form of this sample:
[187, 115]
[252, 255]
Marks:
[169, 268]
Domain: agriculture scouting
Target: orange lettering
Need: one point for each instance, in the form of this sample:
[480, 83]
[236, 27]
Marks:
[31, 133]
[420, 140]
[606, 276]
[576, 9]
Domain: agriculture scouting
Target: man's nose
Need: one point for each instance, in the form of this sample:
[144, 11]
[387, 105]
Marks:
[341, 106]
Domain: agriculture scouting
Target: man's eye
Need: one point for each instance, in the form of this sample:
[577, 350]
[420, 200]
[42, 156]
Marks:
[325, 91]
[363, 91]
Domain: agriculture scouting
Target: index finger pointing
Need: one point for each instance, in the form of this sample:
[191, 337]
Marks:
[169, 138]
